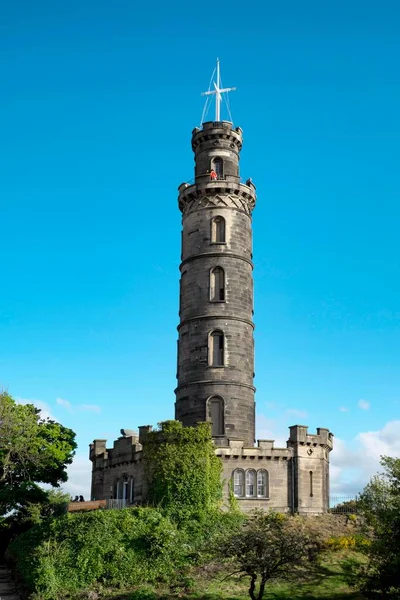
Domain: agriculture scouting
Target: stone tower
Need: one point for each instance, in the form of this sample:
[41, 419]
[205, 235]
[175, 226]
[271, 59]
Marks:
[216, 351]
[216, 345]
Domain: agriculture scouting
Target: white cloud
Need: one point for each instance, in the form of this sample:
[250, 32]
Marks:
[45, 410]
[363, 404]
[354, 463]
[94, 408]
[343, 409]
[65, 404]
[384, 441]
[79, 477]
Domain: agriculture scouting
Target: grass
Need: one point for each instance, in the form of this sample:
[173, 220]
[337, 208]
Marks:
[328, 583]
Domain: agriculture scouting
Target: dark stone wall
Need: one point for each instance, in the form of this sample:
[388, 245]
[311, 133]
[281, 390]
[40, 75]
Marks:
[199, 316]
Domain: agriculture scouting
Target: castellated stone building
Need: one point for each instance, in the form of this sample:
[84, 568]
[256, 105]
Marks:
[216, 351]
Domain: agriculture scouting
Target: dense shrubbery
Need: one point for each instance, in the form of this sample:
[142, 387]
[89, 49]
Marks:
[183, 472]
[62, 556]
[103, 548]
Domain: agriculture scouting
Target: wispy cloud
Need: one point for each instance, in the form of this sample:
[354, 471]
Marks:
[343, 409]
[271, 405]
[45, 409]
[293, 412]
[270, 429]
[93, 408]
[67, 405]
[363, 404]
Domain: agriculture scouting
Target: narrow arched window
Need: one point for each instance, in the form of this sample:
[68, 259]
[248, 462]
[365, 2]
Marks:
[131, 490]
[216, 349]
[250, 483]
[217, 285]
[217, 166]
[125, 490]
[116, 488]
[216, 412]
[311, 483]
[262, 484]
[238, 483]
[218, 230]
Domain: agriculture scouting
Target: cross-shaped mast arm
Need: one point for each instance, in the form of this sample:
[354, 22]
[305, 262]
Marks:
[217, 92]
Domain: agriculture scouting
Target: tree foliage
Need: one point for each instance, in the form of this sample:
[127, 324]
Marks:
[380, 502]
[62, 557]
[32, 451]
[270, 546]
[182, 470]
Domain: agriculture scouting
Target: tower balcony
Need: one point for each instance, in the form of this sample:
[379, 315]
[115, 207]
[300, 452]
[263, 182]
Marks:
[228, 184]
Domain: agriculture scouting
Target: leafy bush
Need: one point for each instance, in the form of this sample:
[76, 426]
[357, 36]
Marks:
[182, 470]
[380, 503]
[348, 542]
[270, 546]
[115, 548]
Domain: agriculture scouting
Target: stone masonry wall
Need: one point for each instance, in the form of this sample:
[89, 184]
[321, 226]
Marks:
[200, 315]
[288, 470]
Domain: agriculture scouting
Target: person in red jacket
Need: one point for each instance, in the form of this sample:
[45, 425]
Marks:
[213, 175]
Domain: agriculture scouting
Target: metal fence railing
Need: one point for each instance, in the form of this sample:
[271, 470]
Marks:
[344, 505]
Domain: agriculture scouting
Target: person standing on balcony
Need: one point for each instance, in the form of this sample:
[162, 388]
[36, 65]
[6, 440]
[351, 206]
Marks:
[213, 175]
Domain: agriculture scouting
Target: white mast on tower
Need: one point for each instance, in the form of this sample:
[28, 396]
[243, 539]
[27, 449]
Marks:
[218, 91]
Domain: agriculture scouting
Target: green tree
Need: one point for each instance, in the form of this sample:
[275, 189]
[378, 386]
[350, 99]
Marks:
[183, 472]
[380, 503]
[270, 546]
[32, 451]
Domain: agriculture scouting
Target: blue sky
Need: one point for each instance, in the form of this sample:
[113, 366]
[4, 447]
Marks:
[97, 106]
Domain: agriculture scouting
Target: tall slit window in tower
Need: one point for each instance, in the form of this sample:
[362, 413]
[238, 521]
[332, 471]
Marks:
[216, 410]
[311, 484]
[217, 166]
[217, 285]
[262, 484]
[216, 349]
[238, 483]
[218, 230]
[250, 483]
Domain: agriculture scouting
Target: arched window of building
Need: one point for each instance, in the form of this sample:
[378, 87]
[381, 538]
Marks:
[216, 412]
[131, 491]
[250, 483]
[238, 483]
[217, 165]
[216, 349]
[218, 230]
[262, 484]
[217, 285]
[125, 490]
[117, 486]
[311, 484]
